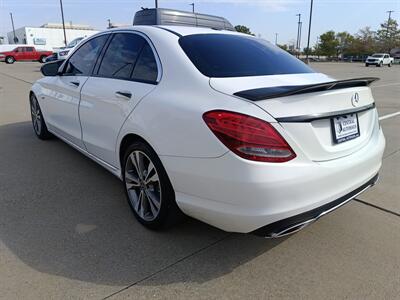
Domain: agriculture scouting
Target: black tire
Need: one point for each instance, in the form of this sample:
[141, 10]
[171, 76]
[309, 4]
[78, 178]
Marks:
[367, 65]
[42, 59]
[168, 212]
[381, 64]
[389, 65]
[38, 122]
[10, 60]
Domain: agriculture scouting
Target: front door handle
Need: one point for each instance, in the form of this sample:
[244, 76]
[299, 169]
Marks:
[123, 94]
[74, 83]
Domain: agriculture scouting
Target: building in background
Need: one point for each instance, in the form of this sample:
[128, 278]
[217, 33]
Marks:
[49, 36]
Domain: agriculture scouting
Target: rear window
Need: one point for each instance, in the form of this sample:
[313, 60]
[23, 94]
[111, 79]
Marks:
[223, 55]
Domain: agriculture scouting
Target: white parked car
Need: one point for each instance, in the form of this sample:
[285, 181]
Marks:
[62, 53]
[379, 60]
[222, 126]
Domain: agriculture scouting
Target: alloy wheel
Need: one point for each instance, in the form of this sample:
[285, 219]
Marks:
[36, 116]
[143, 185]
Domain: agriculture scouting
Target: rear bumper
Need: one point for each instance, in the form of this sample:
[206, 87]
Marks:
[297, 222]
[238, 195]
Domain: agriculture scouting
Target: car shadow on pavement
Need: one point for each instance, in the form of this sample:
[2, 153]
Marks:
[62, 214]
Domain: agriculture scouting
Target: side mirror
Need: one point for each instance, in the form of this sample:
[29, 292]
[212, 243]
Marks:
[51, 68]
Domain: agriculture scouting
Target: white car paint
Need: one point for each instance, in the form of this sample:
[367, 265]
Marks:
[211, 183]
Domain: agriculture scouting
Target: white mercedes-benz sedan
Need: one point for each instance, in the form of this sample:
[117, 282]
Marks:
[215, 124]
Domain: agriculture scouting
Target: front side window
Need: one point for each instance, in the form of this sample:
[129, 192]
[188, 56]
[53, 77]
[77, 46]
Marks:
[120, 58]
[228, 55]
[29, 49]
[82, 61]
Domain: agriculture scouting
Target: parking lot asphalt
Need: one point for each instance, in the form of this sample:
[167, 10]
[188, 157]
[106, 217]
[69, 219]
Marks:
[66, 230]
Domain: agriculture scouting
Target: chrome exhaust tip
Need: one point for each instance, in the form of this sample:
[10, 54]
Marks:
[290, 230]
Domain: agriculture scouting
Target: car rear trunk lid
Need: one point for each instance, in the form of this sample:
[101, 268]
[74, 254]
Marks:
[305, 104]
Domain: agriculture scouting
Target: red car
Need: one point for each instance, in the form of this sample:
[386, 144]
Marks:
[24, 54]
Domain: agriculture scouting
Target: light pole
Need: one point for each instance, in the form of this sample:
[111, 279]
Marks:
[109, 23]
[192, 4]
[12, 23]
[276, 38]
[156, 3]
[390, 14]
[309, 31]
[298, 34]
[63, 23]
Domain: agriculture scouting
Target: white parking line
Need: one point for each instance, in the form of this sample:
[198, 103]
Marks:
[389, 116]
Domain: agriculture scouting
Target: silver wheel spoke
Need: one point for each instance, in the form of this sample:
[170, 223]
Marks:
[153, 208]
[151, 175]
[133, 197]
[136, 164]
[153, 199]
[132, 180]
[141, 204]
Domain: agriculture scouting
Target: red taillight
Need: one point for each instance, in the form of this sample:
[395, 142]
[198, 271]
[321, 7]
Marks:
[249, 137]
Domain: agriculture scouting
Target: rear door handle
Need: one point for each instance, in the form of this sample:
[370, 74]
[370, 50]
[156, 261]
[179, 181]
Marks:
[123, 94]
[74, 83]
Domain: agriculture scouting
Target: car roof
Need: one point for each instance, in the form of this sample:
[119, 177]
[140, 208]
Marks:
[177, 29]
[188, 30]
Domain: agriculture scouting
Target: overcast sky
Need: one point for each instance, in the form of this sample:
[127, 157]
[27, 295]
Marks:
[264, 17]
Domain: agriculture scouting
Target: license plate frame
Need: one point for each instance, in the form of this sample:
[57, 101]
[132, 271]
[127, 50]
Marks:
[339, 125]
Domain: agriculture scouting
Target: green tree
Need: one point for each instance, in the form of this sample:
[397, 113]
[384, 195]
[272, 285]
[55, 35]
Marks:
[243, 29]
[388, 36]
[328, 44]
[345, 40]
[366, 43]
[309, 51]
[284, 47]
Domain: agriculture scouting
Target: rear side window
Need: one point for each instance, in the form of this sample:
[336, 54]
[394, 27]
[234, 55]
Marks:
[121, 56]
[146, 66]
[225, 55]
[82, 61]
[29, 49]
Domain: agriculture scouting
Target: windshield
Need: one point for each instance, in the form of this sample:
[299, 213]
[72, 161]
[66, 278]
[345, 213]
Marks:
[377, 55]
[226, 55]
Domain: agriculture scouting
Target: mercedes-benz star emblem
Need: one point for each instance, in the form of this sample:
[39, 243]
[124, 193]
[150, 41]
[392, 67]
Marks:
[355, 99]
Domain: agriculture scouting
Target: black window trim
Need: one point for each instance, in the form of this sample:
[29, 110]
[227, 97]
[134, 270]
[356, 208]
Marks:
[155, 53]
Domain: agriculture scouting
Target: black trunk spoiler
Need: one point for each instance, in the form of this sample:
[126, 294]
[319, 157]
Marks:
[282, 91]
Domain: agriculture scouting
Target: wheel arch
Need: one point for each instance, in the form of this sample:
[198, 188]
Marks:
[127, 140]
